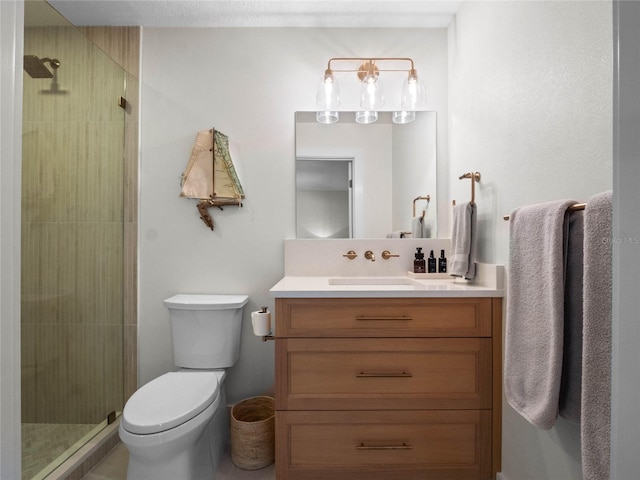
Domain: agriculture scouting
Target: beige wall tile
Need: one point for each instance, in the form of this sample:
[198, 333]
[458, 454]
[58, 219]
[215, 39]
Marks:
[28, 372]
[113, 366]
[99, 280]
[100, 173]
[51, 392]
[120, 43]
[130, 360]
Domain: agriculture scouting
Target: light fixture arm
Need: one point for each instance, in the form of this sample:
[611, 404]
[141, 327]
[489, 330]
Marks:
[371, 61]
[368, 65]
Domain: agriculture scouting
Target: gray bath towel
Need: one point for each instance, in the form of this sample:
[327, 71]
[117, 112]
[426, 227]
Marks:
[596, 359]
[463, 241]
[571, 382]
[535, 311]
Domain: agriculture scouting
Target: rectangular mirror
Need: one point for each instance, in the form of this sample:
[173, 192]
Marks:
[362, 181]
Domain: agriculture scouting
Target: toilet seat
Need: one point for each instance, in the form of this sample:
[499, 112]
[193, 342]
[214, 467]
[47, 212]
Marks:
[170, 400]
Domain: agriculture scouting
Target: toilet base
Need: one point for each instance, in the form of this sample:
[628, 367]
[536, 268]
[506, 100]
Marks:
[193, 457]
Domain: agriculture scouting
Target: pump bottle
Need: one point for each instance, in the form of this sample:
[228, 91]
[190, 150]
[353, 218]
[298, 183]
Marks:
[431, 263]
[442, 263]
[419, 263]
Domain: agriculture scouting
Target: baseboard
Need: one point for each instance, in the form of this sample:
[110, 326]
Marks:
[501, 476]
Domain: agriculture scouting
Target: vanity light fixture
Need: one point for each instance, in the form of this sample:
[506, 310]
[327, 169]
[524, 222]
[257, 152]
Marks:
[412, 96]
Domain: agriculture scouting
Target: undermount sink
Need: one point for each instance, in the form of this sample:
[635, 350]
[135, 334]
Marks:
[371, 281]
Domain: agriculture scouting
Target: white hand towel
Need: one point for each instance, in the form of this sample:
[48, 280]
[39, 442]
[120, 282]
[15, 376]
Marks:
[417, 228]
[426, 229]
[535, 311]
[463, 241]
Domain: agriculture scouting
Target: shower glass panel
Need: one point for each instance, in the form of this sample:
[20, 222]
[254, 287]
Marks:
[72, 240]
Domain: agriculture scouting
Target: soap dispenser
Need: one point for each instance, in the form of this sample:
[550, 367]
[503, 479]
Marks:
[419, 263]
[432, 263]
[442, 263]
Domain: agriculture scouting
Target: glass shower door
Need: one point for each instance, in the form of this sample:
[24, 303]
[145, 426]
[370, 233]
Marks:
[72, 240]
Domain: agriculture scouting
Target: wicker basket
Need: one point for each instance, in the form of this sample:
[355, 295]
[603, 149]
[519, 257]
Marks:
[253, 433]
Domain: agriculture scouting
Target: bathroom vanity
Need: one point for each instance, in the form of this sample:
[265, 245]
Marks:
[387, 377]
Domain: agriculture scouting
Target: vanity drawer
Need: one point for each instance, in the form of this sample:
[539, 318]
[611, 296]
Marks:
[383, 445]
[383, 317]
[383, 373]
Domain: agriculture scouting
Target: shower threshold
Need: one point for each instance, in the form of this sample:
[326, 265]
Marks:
[41, 455]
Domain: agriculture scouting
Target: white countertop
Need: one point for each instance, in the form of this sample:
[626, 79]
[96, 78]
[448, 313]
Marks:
[364, 287]
[321, 269]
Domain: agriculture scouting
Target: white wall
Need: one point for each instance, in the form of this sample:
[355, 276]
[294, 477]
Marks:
[11, 41]
[247, 83]
[531, 109]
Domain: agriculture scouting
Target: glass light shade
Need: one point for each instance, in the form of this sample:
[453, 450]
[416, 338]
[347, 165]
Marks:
[403, 117]
[413, 93]
[367, 116]
[372, 94]
[328, 94]
[327, 116]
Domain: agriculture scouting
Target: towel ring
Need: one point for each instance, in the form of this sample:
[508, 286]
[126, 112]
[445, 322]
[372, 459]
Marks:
[475, 177]
[427, 198]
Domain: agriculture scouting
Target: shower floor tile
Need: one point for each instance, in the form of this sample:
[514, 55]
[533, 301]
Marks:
[42, 443]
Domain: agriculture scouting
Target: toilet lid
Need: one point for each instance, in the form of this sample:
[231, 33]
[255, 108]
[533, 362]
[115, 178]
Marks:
[170, 400]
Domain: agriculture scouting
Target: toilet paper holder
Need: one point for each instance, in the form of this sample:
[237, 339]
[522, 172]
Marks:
[261, 323]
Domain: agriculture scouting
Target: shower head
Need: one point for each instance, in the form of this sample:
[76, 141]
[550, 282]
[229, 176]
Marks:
[36, 68]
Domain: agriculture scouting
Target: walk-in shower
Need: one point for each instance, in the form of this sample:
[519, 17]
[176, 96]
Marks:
[72, 242]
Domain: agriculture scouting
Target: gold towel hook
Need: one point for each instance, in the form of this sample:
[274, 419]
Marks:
[475, 177]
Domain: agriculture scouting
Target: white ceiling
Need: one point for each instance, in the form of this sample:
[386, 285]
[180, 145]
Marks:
[259, 13]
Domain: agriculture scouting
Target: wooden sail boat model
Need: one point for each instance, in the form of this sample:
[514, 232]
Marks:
[210, 176]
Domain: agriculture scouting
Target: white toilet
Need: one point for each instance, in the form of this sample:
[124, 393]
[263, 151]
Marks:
[176, 426]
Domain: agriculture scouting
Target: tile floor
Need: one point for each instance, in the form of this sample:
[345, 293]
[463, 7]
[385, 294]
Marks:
[43, 443]
[114, 467]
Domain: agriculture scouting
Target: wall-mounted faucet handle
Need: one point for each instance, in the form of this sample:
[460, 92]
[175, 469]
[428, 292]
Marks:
[387, 255]
[369, 255]
[350, 255]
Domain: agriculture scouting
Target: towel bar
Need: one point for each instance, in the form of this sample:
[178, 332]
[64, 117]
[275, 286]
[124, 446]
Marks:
[572, 208]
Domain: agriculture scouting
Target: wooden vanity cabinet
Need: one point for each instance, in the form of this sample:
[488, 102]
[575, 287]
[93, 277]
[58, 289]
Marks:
[388, 388]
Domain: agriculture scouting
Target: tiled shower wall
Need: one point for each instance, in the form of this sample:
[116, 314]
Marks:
[78, 203]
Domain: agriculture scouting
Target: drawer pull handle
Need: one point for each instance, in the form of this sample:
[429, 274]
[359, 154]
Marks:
[384, 374]
[403, 446]
[368, 317]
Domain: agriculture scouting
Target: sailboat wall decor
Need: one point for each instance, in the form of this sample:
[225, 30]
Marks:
[210, 176]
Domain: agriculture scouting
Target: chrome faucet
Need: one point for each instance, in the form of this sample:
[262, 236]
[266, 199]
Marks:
[369, 255]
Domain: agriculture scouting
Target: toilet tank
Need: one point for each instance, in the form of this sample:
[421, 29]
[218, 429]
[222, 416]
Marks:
[206, 329]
